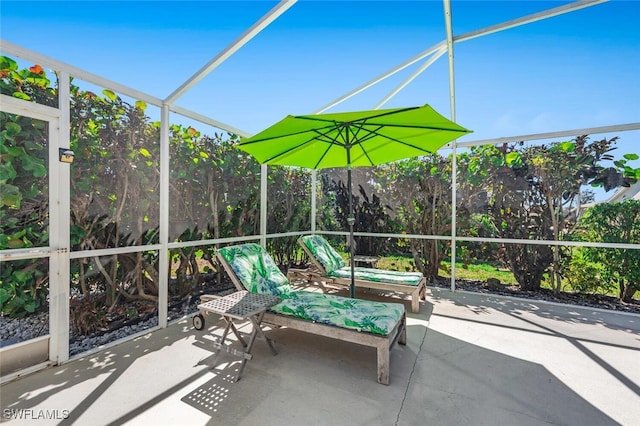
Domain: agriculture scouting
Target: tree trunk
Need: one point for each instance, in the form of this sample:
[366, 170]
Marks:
[627, 290]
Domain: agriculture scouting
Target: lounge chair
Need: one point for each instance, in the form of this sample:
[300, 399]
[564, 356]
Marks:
[329, 267]
[376, 324]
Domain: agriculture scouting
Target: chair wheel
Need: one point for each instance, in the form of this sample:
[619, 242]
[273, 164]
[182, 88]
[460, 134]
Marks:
[198, 322]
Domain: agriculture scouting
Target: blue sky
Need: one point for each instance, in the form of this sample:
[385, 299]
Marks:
[572, 71]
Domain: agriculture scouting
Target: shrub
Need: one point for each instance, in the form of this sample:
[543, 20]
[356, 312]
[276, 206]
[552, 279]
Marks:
[614, 223]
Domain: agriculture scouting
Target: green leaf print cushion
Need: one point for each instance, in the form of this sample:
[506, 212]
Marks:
[356, 314]
[323, 252]
[379, 275]
[255, 269]
[258, 273]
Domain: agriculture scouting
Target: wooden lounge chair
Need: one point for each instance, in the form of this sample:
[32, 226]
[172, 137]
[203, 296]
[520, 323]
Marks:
[329, 267]
[376, 324]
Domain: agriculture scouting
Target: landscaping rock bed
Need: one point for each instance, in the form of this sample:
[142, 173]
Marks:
[14, 330]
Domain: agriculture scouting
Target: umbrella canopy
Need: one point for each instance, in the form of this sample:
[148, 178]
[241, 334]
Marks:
[352, 139]
[362, 138]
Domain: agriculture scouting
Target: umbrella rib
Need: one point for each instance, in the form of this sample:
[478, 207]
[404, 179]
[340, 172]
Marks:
[381, 114]
[264, 139]
[369, 135]
[324, 154]
[403, 142]
[417, 126]
[330, 141]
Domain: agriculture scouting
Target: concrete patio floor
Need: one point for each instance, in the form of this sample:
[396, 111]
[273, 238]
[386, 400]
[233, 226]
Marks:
[470, 359]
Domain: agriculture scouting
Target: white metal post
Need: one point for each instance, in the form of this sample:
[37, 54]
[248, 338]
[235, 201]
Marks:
[314, 193]
[163, 264]
[263, 205]
[454, 163]
[59, 227]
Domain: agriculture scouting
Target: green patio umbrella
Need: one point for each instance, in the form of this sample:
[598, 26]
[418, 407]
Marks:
[352, 139]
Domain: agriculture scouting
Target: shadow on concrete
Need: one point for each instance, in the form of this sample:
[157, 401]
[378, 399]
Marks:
[463, 384]
[165, 377]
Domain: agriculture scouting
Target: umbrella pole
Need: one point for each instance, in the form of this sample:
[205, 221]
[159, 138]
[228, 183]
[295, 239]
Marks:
[351, 220]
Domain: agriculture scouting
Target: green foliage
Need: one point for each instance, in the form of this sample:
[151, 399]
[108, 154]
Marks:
[584, 275]
[422, 188]
[532, 192]
[288, 209]
[370, 215]
[23, 210]
[23, 287]
[29, 84]
[114, 190]
[614, 223]
[512, 191]
[214, 187]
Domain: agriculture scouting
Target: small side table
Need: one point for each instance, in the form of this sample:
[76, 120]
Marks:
[241, 305]
[368, 261]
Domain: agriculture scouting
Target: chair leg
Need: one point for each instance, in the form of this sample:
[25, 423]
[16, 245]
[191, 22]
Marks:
[423, 292]
[383, 364]
[415, 301]
[402, 339]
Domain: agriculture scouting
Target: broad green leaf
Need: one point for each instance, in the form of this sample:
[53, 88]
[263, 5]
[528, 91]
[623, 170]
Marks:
[7, 172]
[109, 94]
[30, 305]
[12, 128]
[8, 63]
[141, 105]
[15, 243]
[566, 146]
[10, 196]
[145, 152]
[4, 296]
[21, 95]
[631, 157]
[513, 158]
[34, 165]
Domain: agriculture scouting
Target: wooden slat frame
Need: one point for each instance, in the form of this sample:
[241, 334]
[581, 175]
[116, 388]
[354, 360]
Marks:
[383, 344]
[318, 274]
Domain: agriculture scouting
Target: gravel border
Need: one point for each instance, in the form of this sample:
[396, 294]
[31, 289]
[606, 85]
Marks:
[14, 330]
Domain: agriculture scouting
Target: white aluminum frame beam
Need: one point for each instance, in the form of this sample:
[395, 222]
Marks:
[412, 77]
[58, 246]
[452, 104]
[551, 135]
[244, 38]
[31, 56]
[18, 106]
[463, 37]
[545, 14]
[163, 253]
[433, 49]
[60, 227]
